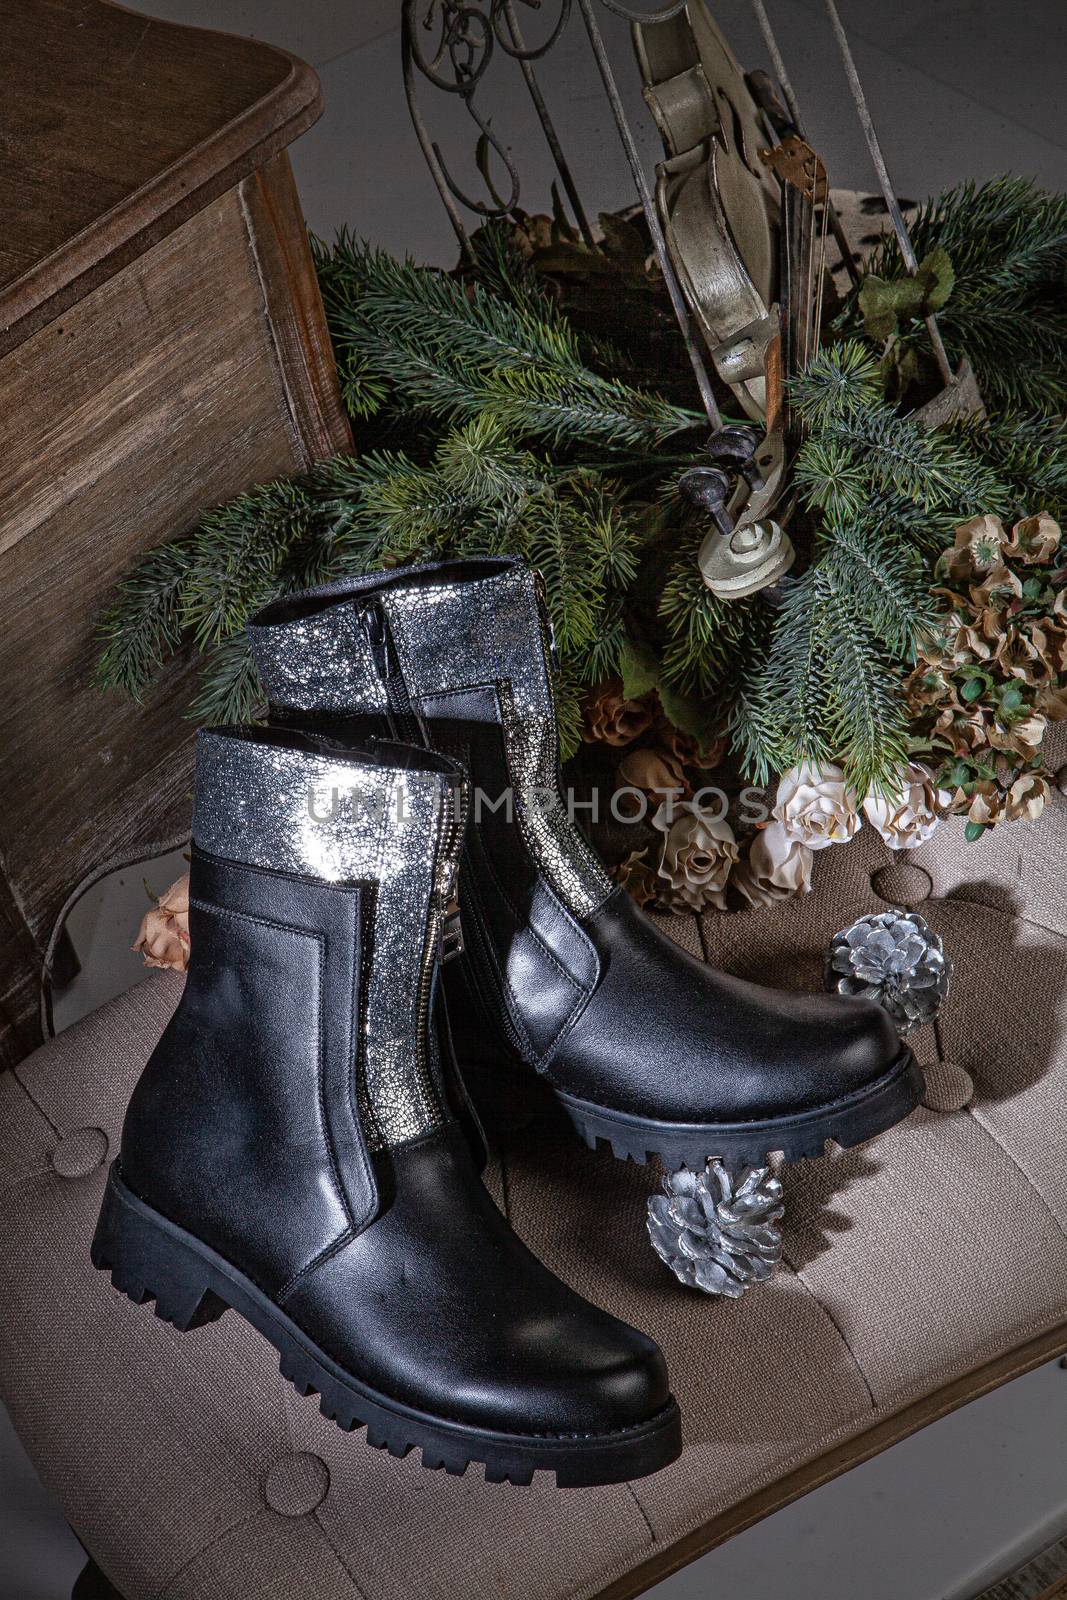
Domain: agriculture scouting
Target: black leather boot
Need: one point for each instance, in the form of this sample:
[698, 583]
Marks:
[292, 1151]
[563, 979]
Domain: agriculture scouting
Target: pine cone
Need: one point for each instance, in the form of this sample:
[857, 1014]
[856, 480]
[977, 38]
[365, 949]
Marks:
[893, 957]
[715, 1233]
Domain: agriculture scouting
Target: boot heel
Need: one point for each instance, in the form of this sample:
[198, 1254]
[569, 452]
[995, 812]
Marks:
[148, 1261]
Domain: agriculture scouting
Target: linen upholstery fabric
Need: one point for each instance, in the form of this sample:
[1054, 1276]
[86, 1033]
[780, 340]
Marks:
[186, 1465]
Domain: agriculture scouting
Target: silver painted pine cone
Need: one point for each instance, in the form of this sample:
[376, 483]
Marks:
[893, 957]
[716, 1230]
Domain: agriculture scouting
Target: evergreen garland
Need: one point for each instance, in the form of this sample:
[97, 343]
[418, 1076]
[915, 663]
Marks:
[490, 425]
[1006, 241]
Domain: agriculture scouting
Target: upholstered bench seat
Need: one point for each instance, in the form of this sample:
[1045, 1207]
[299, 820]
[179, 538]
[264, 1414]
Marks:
[920, 1270]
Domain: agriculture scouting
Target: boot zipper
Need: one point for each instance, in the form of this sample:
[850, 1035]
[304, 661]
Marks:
[404, 719]
[439, 933]
[450, 931]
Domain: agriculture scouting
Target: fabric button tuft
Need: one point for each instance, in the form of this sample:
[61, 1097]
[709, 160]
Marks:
[902, 883]
[295, 1484]
[949, 1087]
[79, 1152]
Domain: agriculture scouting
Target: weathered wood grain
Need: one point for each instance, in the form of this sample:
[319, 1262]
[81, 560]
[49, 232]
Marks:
[200, 367]
[114, 129]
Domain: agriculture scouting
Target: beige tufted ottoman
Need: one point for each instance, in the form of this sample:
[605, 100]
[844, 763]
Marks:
[920, 1270]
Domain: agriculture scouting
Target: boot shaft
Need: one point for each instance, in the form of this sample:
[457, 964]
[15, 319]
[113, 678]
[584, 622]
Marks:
[387, 818]
[450, 650]
[301, 1048]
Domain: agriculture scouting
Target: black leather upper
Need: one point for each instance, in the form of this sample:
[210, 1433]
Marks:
[243, 1130]
[246, 1110]
[609, 1009]
[441, 1304]
[667, 1037]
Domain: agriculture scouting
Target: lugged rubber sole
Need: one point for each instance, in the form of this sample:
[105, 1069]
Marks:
[150, 1258]
[847, 1122]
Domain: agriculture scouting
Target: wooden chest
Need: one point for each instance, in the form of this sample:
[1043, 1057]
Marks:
[162, 347]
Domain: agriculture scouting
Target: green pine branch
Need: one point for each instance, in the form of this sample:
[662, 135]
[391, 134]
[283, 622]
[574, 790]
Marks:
[142, 627]
[453, 349]
[1007, 243]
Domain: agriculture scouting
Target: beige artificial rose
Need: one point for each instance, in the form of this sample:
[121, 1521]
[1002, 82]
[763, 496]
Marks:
[1027, 798]
[163, 938]
[776, 867]
[699, 852]
[637, 877]
[612, 719]
[653, 772]
[1034, 539]
[815, 806]
[979, 545]
[907, 812]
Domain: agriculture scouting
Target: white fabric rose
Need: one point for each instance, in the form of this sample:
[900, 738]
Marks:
[907, 814]
[777, 867]
[815, 806]
[699, 852]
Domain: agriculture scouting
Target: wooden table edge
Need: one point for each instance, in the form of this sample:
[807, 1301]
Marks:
[840, 1459]
[155, 209]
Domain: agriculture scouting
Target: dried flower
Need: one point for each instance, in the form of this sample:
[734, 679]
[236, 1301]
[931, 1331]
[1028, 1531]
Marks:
[1018, 656]
[978, 546]
[163, 937]
[1027, 798]
[963, 731]
[612, 719]
[654, 772]
[907, 814]
[776, 867]
[927, 686]
[638, 877]
[1034, 539]
[982, 694]
[999, 587]
[983, 803]
[816, 806]
[684, 749]
[699, 852]
[1023, 737]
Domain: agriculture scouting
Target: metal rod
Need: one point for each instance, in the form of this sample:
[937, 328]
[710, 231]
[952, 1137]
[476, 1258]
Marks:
[889, 194]
[793, 107]
[437, 172]
[777, 62]
[648, 205]
[549, 128]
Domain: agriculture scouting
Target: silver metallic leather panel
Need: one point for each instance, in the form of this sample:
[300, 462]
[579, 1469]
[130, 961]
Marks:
[490, 631]
[342, 821]
[322, 662]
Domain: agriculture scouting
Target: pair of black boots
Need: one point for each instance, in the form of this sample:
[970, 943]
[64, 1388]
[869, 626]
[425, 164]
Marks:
[303, 1146]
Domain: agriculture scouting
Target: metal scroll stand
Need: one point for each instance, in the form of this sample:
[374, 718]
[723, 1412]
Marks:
[468, 33]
